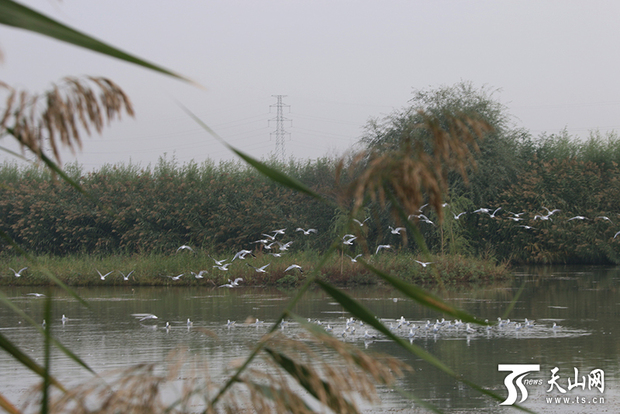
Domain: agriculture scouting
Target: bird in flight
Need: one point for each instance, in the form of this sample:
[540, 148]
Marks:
[306, 232]
[350, 239]
[353, 259]
[219, 262]
[241, 254]
[294, 266]
[185, 247]
[126, 277]
[200, 274]
[18, 274]
[578, 218]
[259, 269]
[222, 266]
[361, 223]
[103, 276]
[458, 216]
[396, 230]
[176, 277]
[38, 295]
[143, 316]
[382, 246]
[424, 264]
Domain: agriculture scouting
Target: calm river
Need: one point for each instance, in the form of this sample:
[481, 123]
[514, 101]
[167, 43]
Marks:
[583, 302]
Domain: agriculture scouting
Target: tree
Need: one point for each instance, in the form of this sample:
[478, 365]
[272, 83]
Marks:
[498, 158]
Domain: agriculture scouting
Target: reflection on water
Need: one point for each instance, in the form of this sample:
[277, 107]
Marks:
[583, 303]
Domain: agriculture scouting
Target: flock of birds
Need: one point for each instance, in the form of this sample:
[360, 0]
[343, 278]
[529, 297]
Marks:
[276, 248]
[352, 330]
[516, 217]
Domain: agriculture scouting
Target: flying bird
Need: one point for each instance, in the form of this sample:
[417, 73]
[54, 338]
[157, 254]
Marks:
[396, 230]
[382, 246]
[361, 223]
[294, 266]
[126, 277]
[176, 277]
[259, 269]
[218, 262]
[223, 266]
[306, 232]
[353, 259]
[200, 274]
[424, 264]
[578, 218]
[103, 276]
[185, 247]
[143, 316]
[18, 274]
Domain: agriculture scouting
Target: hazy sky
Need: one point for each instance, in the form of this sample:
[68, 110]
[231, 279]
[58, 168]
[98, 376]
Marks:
[555, 64]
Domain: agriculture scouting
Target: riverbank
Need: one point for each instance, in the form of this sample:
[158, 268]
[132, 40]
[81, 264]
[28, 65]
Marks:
[164, 270]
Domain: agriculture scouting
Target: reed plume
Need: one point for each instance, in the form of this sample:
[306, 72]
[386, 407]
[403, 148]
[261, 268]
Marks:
[60, 116]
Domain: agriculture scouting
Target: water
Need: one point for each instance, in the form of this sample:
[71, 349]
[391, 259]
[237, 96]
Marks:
[584, 302]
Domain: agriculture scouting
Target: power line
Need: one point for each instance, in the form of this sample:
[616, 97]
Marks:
[279, 133]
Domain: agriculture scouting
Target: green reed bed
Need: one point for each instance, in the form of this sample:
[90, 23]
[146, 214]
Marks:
[159, 270]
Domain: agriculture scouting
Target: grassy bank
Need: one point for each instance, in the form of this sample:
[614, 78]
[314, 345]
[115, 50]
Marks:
[159, 270]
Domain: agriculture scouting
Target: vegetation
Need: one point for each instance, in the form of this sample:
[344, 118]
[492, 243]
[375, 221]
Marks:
[158, 270]
[333, 389]
[222, 208]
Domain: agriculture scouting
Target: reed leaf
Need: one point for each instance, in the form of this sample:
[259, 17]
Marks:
[421, 296]
[261, 167]
[27, 362]
[7, 406]
[310, 381]
[4, 299]
[22, 17]
[360, 312]
[288, 399]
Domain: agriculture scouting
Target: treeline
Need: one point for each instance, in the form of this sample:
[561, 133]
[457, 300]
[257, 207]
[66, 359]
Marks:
[228, 206]
[225, 207]
[132, 210]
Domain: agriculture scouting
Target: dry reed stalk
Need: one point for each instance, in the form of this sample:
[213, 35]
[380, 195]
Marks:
[265, 387]
[410, 172]
[58, 116]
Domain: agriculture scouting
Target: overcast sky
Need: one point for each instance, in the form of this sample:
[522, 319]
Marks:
[555, 64]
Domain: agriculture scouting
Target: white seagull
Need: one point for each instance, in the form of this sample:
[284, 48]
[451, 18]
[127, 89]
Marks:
[185, 247]
[306, 232]
[294, 266]
[361, 223]
[353, 259]
[348, 241]
[200, 274]
[424, 264]
[126, 277]
[458, 216]
[218, 262]
[103, 276]
[18, 274]
[259, 269]
[396, 230]
[241, 254]
[38, 295]
[578, 218]
[144, 316]
[382, 246]
[176, 277]
[223, 267]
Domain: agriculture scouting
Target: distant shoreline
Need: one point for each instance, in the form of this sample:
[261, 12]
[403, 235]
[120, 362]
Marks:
[162, 270]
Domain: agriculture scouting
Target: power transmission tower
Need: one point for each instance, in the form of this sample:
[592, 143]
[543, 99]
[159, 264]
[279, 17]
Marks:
[279, 133]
